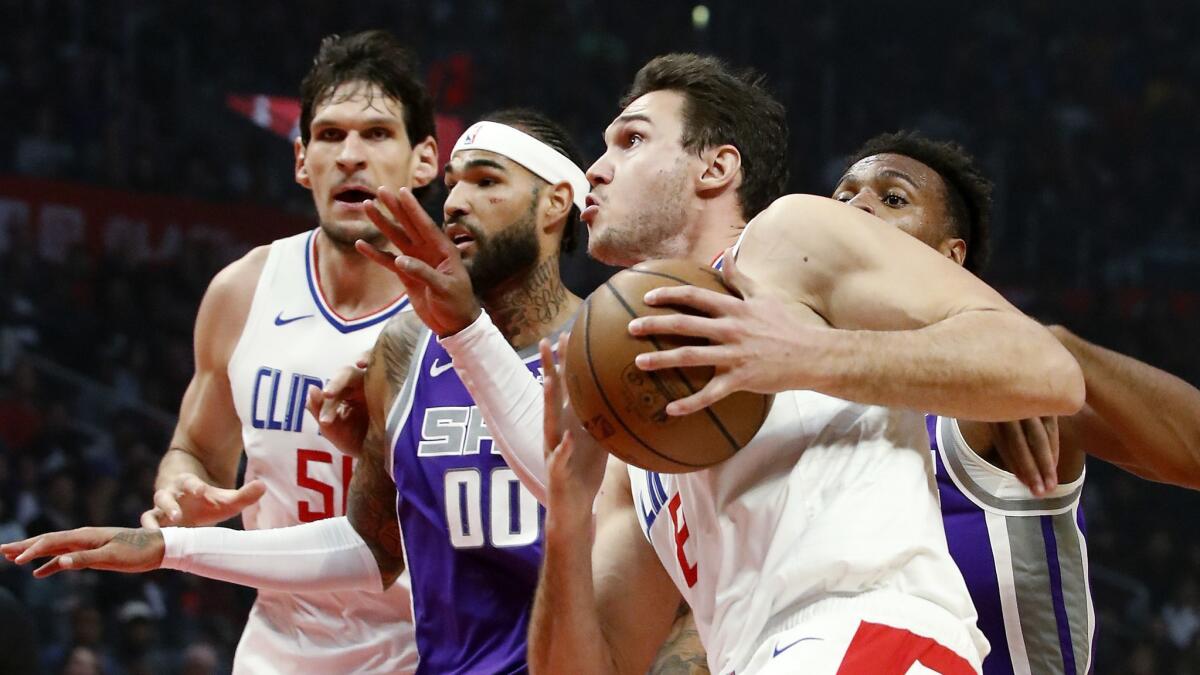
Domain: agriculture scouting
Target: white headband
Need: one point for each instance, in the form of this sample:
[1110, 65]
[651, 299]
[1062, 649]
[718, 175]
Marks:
[542, 160]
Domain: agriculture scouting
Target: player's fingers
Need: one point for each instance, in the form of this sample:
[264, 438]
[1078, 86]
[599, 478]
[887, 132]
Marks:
[376, 255]
[1043, 454]
[248, 494]
[704, 300]
[166, 501]
[717, 388]
[151, 519]
[1018, 456]
[191, 484]
[382, 214]
[421, 228]
[552, 399]
[684, 357]
[54, 543]
[1051, 424]
[678, 324]
[54, 566]
[15, 548]
[419, 270]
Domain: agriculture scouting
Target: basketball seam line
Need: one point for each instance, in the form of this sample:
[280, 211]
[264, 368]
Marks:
[679, 371]
[587, 345]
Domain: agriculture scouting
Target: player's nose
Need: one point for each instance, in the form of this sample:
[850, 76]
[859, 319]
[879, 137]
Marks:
[862, 201]
[600, 172]
[352, 155]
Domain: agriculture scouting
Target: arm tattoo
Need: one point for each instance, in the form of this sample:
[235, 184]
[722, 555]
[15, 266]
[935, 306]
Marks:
[136, 538]
[682, 653]
[371, 508]
[371, 504]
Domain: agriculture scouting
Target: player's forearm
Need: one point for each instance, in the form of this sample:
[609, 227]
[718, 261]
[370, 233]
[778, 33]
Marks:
[179, 460]
[565, 634]
[507, 394]
[326, 555]
[981, 365]
[1154, 416]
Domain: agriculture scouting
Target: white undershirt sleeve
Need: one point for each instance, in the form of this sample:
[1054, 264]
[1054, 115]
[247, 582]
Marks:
[326, 555]
[508, 395]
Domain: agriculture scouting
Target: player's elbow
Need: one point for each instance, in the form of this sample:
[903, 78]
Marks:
[1066, 390]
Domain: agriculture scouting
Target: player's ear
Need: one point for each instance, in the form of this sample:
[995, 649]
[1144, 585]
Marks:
[301, 168]
[722, 168]
[424, 162]
[556, 203]
[954, 249]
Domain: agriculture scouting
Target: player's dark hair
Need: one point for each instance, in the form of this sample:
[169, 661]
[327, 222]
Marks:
[968, 190]
[552, 134]
[373, 57]
[725, 107]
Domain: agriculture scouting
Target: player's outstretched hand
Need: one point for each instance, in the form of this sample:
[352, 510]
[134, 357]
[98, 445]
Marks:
[429, 264]
[1030, 449]
[754, 341]
[117, 549]
[340, 408]
[574, 460]
[189, 501]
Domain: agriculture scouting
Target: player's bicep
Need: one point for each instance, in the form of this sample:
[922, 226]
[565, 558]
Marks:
[208, 426]
[636, 598]
[855, 270]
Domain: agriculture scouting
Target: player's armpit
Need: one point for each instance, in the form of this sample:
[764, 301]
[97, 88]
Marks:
[682, 654]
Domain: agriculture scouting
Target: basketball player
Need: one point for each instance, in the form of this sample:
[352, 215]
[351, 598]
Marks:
[1022, 551]
[824, 531]
[284, 318]
[451, 512]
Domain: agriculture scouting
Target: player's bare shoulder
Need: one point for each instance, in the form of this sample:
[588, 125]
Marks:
[395, 346]
[225, 306]
[800, 243]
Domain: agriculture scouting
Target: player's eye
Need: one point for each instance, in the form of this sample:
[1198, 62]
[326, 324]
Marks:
[330, 134]
[843, 196]
[378, 134]
[633, 139]
[486, 182]
[894, 200]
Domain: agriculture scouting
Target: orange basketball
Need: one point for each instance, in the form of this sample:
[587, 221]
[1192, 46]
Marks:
[623, 406]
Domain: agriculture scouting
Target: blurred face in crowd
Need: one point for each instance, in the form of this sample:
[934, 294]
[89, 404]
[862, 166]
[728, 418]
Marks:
[359, 143]
[906, 193]
[499, 215]
[642, 187]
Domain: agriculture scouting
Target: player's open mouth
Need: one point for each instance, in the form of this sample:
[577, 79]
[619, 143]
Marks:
[352, 195]
[591, 206]
[461, 236]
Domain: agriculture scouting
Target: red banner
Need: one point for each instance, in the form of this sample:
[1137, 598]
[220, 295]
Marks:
[54, 217]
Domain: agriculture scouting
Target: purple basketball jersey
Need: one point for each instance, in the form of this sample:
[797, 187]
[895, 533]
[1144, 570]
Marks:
[1024, 560]
[472, 533]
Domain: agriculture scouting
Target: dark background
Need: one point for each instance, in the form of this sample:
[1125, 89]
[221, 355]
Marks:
[1085, 116]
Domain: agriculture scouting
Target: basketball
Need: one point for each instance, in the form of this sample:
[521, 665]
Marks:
[624, 407]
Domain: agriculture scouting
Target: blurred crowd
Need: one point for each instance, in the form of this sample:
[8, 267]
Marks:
[1088, 125]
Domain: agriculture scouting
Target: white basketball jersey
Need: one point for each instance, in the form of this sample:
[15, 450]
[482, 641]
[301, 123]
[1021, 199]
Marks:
[831, 509]
[294, 340]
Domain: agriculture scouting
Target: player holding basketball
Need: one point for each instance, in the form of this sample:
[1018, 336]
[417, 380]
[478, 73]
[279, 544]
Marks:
[286, 317]
[860, 574]
[1022, 551]
[429, 496]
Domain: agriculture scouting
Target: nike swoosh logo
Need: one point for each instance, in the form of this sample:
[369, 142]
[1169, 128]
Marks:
[788, 646]
[435, 369]
[280, 321]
